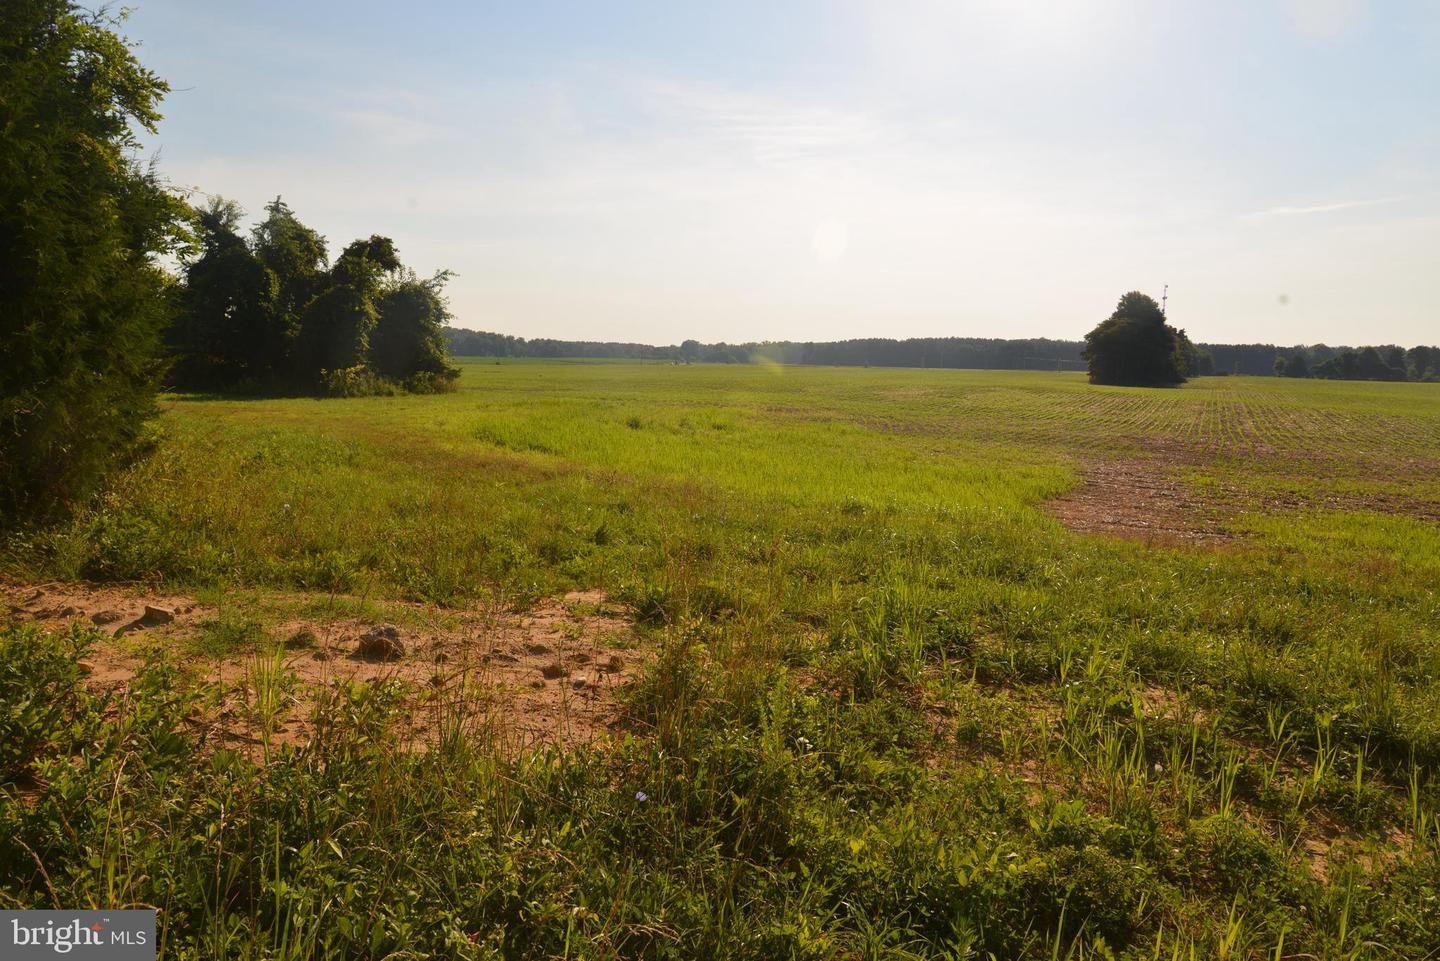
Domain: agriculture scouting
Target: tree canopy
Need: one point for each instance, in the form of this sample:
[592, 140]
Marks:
[1134, 346]
[270, 313]
[84, 302]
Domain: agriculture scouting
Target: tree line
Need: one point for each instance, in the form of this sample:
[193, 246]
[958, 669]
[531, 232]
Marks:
[267, 311]
[1388, 362]
[980, 353]
[1038, 354]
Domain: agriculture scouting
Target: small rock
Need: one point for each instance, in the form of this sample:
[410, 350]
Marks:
[615, 664]
[552, 671]
[537, 650]
[321, 655]
[382, 643]
[155, 616]
[106, 617]
[578, 682]
[85, 667]
[69, 610]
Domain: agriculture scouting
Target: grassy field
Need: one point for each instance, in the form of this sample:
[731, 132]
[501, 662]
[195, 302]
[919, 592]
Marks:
[896, 708]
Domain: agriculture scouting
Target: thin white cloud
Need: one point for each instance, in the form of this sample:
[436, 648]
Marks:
[393, 129]
[774, 132]
[1322, 208]
[1327, 19]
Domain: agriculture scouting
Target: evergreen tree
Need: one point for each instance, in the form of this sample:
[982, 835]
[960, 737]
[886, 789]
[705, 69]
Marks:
[84, 303]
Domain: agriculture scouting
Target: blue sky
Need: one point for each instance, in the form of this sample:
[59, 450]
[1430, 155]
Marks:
[747, 171]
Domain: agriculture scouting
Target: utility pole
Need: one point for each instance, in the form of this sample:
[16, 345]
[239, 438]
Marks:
[1164, 297]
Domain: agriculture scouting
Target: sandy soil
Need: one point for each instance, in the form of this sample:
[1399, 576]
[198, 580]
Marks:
[551, 674]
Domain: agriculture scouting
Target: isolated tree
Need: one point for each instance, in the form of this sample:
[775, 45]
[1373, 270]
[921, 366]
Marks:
[83, 300]
[690, 351]
[1135, 346]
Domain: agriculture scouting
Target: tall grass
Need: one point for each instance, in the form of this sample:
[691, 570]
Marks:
[896, 710]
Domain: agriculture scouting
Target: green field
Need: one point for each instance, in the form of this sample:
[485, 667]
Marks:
[896, 707]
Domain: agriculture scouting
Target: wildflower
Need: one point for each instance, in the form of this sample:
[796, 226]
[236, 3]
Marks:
[641, 796]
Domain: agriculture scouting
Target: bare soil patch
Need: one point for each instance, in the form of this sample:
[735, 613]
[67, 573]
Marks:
[548, 675]
[1140, 500]
[1144, 499]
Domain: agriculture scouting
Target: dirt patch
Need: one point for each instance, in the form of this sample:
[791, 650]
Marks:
[1140, 500]
[548, 675]
[1146, 499]
[1329, 843]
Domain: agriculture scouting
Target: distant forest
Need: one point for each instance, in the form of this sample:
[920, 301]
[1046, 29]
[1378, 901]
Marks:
[1385, 362]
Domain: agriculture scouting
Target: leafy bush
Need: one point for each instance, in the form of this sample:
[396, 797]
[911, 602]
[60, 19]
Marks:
[39, 681]
[357, 381]
[429, 382]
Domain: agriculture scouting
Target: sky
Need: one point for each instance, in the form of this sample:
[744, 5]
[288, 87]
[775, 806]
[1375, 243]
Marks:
[796, 170]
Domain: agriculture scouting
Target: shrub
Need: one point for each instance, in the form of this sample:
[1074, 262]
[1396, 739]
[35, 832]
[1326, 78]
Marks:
[357, 381]
[39, 680]
[429, 382]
